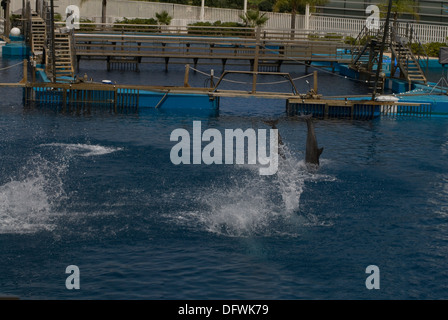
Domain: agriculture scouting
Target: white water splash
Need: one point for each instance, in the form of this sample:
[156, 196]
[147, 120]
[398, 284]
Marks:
[256, 205]
[29, 201]
[26, 202]
[84, 150]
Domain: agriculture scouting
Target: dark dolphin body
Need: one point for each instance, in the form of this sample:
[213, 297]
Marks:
[273, 124]
[313, 152]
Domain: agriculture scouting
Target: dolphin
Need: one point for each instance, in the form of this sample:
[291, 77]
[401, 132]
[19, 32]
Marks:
[273, 124]
[313, 152]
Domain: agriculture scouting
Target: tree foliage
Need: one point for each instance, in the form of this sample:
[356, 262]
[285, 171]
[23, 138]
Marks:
[253, 18]
[400, 7]
[163, 18]
[297, 6]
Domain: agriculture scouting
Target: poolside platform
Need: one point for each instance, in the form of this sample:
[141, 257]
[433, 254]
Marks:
[54, 63]
[179, 48]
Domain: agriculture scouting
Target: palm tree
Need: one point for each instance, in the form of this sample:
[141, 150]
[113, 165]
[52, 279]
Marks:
[253, 18]
[163, 18]
[103, 11]
[400, 7]
[296, 6]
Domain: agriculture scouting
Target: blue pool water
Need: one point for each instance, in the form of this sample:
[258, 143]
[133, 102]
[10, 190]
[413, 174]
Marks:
[100, 192]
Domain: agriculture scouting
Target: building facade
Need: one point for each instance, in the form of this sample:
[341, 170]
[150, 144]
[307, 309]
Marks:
[429, 11]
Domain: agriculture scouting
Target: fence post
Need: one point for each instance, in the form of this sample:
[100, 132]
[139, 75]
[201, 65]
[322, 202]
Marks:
[257, 51]
[25, 71]
[307, 17]
[187, 72]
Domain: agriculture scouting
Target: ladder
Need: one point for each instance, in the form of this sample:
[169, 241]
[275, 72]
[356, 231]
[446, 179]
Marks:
[63, 56]
[365, 55]
[410, 68]
[38, 34]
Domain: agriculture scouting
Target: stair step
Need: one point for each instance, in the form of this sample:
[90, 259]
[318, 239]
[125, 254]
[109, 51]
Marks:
[62, 63]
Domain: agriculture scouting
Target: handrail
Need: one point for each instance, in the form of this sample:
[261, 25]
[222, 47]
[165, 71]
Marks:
[426, 56]
[163, 99]
[357, 42]
[365, 31]
[398, 38]
[283, 74]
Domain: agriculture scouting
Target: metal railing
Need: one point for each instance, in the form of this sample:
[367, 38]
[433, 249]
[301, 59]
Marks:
[404, 36]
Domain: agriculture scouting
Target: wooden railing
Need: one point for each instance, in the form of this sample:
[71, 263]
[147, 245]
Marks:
[405, 36]
[193, 47]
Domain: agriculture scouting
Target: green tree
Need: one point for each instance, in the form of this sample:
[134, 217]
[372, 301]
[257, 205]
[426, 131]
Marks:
[400, 7]
[253, 18]
[103, 10]
[294, 7]
[163, 18]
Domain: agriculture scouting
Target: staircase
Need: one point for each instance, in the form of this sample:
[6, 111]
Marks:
[365, 57]
[364, 46]
[370, 54]
[38, 27]
[371, 82]
[409, 65]
[64, 61]
[38, 35]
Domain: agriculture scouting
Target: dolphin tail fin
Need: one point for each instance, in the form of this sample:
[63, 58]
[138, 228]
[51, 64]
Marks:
[320, 151]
